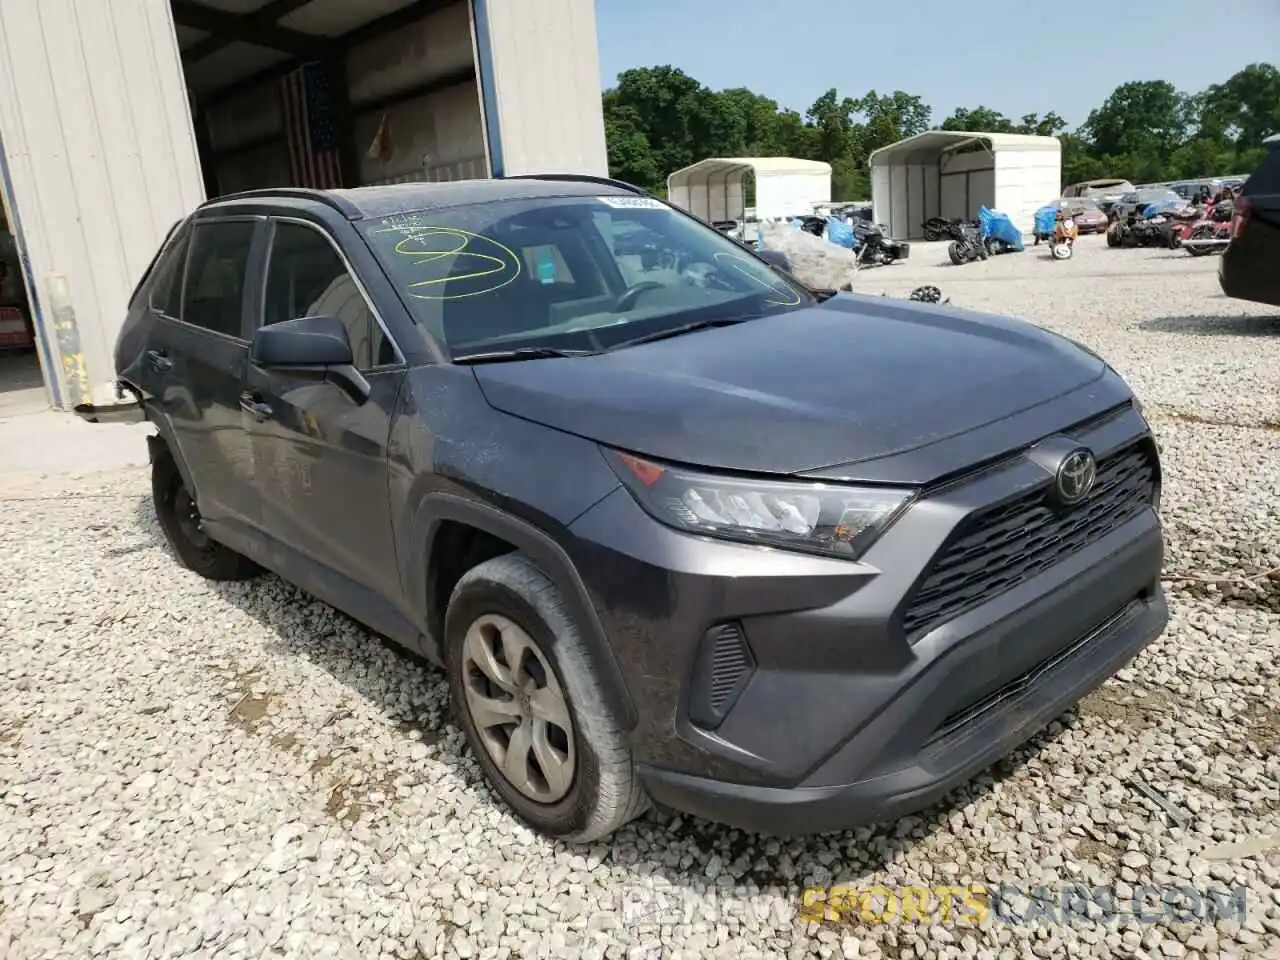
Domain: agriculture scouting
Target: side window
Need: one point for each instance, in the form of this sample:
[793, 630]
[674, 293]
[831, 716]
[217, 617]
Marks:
[213, 295]
[307, 278]
[166, 289]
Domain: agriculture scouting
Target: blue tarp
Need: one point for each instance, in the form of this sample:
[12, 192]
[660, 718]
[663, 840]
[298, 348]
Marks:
[997, 226]
[1161, 206]
[840, 233]
[1046, 217]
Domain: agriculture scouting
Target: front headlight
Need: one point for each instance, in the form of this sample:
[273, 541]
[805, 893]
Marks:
[829, 519]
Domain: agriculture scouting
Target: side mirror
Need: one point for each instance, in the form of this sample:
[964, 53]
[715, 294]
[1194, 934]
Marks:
[776, 258]
[312, 348]
[305, 342]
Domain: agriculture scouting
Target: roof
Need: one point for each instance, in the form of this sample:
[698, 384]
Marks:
[360, 203]
[757, 165]
[931, 143]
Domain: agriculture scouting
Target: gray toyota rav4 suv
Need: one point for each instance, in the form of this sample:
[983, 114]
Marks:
[678, 529]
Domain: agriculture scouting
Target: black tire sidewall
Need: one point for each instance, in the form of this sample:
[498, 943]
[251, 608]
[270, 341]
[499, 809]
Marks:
[218, 562]
[574, 812]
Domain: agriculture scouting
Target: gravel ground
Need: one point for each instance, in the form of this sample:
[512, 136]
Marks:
[189, 769]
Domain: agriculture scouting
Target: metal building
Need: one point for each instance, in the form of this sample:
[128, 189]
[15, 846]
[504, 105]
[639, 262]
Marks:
[950, 173]
[715, 189]
[117, 117]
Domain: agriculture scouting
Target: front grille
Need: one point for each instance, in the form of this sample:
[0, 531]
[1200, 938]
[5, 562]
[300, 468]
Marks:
[1003, 546]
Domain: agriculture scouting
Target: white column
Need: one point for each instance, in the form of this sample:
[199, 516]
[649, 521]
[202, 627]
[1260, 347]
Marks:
[99, 159]
[539, 70]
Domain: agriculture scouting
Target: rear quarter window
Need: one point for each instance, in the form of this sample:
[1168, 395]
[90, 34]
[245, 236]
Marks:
[164, 290]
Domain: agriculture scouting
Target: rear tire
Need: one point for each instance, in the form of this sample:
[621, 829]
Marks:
[575, 779]
[180, 520]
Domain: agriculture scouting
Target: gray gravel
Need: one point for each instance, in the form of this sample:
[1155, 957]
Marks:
[189, 769]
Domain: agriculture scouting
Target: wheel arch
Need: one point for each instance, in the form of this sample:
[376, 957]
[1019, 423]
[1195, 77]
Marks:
[438, 510]
[163, 443]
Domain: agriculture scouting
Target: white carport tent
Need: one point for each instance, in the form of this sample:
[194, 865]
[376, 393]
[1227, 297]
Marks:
[950, 173]
[785, 186]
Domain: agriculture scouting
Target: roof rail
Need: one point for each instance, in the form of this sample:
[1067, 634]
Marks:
[583, 178]
[329, 199]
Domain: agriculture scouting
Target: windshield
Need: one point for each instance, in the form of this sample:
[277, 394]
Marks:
[1079, 203]
[569, 273]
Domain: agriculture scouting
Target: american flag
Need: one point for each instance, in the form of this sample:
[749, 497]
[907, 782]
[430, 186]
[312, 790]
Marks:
[314, 159]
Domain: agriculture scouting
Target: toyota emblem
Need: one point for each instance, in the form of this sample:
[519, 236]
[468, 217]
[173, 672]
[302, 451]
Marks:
[1075, 476]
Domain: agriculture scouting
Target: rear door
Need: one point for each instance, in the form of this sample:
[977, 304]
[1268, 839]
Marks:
[196, 358]
[320, 457]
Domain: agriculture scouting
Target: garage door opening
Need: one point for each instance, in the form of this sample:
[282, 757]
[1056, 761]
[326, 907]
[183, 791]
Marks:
[951, 173]
[330, 93]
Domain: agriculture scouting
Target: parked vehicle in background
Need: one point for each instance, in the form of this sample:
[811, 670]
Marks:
[966, 242]
[1212, 231]
[875, 247]
[789, 561]
[935, 228]
[1138, 200]
[1085, 213]
[1250, 267]
[1100, 190]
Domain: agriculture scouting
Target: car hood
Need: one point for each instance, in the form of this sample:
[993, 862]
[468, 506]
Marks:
[851, 380]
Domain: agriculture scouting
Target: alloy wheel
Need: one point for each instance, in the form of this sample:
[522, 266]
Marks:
[518, 708]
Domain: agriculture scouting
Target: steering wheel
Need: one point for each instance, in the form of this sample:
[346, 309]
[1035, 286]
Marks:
[629, 296]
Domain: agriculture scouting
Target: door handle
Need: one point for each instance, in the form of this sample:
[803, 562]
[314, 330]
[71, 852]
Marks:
[251, 403]
[158, 360]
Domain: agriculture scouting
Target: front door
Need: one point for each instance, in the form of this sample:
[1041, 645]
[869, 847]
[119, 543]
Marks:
[195, 362]
[320, 457]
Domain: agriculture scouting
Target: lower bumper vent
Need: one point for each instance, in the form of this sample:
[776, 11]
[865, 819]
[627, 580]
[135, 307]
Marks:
[723, 670]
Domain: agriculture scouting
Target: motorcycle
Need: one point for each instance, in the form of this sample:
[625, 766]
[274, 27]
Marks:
[1149, 227]
[1212, 232]
[966, 244]
[872, 246]
[935, 228]
[999, 235]
[1062, 243]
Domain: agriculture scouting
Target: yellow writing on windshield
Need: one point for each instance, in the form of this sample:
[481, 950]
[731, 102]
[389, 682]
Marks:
[486, 264]
[733, 260]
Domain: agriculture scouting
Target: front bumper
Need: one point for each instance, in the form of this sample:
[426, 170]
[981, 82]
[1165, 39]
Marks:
[787, 692]
[910, 778]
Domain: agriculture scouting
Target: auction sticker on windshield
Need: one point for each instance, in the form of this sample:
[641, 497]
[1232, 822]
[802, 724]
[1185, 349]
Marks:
[633, 203]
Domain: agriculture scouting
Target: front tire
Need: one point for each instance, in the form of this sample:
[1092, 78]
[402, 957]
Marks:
[180, 520]
[528, 700]
[953, 251]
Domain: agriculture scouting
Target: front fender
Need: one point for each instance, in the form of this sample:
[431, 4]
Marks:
[437, 507]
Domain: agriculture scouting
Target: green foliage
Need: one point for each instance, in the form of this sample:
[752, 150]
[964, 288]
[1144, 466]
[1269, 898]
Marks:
[659, 119]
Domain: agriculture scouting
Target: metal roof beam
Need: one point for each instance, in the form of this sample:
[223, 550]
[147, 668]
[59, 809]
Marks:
[245, 28]
[269, 15]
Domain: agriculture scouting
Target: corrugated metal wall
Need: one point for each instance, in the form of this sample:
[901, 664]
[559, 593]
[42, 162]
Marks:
[100, 159]
[542, 86]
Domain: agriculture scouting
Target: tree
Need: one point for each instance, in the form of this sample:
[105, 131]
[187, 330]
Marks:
[978, 120]
[1147, 118]
[658, 119]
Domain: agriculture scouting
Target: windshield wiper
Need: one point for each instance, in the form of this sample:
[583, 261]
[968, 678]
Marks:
[679, 331]
[520, 353]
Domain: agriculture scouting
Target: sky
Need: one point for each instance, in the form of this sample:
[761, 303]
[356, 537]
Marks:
[1015, 56]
